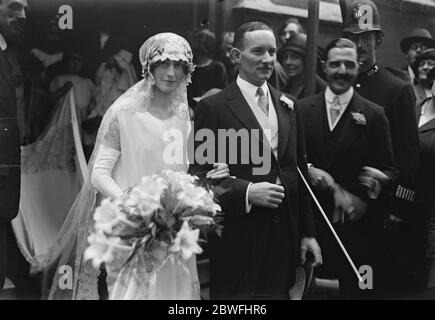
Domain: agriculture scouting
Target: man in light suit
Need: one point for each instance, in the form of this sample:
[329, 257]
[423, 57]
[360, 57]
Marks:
[351, 163]
[268, 222]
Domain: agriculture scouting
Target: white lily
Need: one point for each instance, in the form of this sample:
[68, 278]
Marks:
[107, 215]
[101, 248]
[192, 195]
[146, 196]
[186, 241]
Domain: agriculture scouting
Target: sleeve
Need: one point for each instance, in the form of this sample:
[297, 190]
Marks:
[383, 150]
[306, 218]
[233, 197]
[111, 138]
[101, 176]
[404, 134]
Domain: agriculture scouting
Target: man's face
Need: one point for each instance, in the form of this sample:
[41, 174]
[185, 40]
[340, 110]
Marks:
[257, 57]
[414, 51]
[341, 69]
[424, 67]
[225, 49]
[366, 44]
[12, 17]
[289, 30]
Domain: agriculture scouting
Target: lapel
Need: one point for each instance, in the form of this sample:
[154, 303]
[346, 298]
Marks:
[285, 121]
[345, 128]
[318, 126]
[238, 105]
[5, 69]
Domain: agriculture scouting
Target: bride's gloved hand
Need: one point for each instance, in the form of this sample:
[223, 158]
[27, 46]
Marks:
[220, 170]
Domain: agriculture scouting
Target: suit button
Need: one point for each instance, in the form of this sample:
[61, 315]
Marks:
[275, 219]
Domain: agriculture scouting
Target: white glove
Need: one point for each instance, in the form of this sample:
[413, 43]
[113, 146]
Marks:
[101, 176]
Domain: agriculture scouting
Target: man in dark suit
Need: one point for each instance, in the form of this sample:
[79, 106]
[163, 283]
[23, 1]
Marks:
[351, 162]
[397, 97]
[12, 263]
[268, 222]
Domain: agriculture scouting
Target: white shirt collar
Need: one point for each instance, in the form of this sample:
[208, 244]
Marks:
[344, 100]
[3, 44]
[103, 39]
[249, 89]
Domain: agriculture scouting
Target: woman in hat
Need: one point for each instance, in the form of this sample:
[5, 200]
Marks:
[130, 146]
[426, 178]
[422, 64]
[292, 57]
[413, 45]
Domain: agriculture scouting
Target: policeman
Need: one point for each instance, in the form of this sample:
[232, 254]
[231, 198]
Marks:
[375, 83]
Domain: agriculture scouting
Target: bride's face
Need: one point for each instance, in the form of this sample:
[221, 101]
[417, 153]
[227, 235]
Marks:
[169, 74]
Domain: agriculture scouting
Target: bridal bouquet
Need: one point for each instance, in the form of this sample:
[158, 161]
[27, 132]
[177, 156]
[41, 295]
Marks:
[165, 211]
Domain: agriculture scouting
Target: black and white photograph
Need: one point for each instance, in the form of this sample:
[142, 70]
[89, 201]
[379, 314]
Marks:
[217, 150]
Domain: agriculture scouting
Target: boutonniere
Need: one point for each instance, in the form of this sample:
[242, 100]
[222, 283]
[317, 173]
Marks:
[359, 118]
[287, 101]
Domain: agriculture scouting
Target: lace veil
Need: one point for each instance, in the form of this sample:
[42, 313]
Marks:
[65, 273]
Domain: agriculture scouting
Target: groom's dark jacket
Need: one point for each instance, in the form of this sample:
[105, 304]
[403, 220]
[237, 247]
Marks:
[239, 258]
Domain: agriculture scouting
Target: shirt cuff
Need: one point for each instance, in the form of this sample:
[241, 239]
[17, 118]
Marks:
[248, 205]
[375, 192]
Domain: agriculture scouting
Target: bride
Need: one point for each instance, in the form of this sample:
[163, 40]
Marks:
[130, 145]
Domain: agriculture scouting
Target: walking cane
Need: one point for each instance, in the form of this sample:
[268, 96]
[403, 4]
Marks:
[331, 228]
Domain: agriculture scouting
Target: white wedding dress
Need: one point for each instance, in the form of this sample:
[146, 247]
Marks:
[141, 145]
[145, 150]
[131, 143]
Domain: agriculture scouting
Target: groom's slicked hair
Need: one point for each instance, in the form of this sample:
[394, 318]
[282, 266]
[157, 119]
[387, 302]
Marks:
[250, 26]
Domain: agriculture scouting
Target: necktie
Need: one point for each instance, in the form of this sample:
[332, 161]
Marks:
[334, 109]
[262, 101]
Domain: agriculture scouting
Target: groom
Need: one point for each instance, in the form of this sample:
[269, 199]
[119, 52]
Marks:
[268, 222]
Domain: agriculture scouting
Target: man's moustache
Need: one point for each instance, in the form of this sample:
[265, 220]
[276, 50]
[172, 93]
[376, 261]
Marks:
[266, 66]
[18, 24]
[341, 77]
